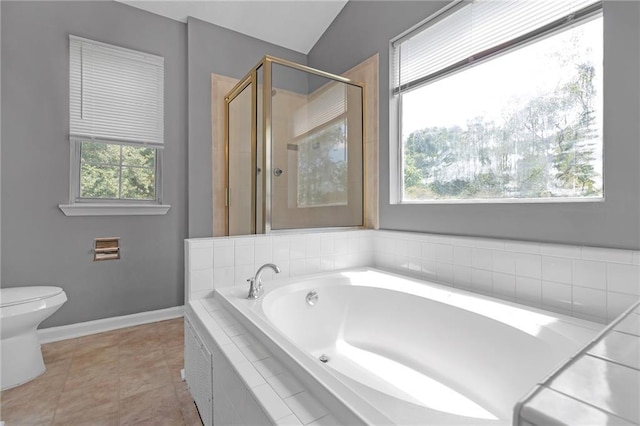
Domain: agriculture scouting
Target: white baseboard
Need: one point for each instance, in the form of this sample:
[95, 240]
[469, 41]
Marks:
[53, 334]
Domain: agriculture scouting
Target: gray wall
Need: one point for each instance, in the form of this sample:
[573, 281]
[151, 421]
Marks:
[364, 28]
[40, 245]
[0, 144]
[213, 49]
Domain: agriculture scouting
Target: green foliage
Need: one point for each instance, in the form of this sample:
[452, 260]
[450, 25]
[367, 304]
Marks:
[322, 167]
[100, 153]
[98, 181]
[110, 171]
[455, 187]
[544, 148]
[413, 176]
[138, 183]
[137, 156]
[574, 149]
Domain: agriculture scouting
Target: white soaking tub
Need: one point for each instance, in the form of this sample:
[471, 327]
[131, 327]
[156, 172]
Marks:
[399, 350]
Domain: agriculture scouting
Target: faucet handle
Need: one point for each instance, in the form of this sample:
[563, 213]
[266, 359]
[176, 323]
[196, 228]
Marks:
[253, 290]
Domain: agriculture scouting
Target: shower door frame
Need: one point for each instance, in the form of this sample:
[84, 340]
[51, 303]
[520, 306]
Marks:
[251, 78]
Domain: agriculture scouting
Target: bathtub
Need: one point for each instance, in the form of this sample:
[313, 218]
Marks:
[397, 350]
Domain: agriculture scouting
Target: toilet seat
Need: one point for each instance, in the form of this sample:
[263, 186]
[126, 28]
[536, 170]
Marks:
[18, 295]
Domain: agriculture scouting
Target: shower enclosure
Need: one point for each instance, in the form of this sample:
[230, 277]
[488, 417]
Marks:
[294, 150]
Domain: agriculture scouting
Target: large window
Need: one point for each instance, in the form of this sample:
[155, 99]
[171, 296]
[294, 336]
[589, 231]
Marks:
[502, 101]
[116, 123]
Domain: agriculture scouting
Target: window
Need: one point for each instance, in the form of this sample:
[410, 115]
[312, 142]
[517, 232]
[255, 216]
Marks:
[109, 171]
[501, 101]
[320, 148]
[116, 124]
[322, 166]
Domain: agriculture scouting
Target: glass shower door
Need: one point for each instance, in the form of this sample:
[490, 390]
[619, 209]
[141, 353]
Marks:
[294, 150]
[317, 151]
[241, 163]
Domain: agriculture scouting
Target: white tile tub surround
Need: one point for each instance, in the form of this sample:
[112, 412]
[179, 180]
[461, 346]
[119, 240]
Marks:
[249, 373]
[610, 363]
[592, 283]
[198, 270]
[587, 282]
[235, 259]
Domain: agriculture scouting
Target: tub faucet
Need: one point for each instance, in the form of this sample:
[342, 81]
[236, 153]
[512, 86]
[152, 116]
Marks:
[255, 283]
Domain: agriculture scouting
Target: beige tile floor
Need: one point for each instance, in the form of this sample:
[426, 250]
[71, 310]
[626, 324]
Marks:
[129, 376]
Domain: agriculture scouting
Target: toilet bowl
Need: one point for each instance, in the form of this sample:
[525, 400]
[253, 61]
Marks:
[22, 309]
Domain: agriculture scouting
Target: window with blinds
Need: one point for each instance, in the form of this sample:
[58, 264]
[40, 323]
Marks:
[320, 135]
[116, 122]
[321, 109]
[501, 100]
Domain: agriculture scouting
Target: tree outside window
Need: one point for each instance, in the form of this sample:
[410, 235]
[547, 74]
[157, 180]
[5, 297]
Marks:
[526, 124]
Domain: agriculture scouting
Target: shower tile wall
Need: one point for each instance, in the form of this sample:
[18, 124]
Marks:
[586, 282]
[220, 86]
[367, 73]
[284, 106]
[198, 271]
[240, 164]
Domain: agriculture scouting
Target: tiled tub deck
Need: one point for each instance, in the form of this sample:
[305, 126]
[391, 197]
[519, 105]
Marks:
[591, 283]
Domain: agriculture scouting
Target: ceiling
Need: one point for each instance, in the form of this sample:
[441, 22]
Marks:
[294, 24]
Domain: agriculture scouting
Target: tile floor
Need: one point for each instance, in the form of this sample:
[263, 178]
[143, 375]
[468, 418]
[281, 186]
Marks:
[129, 376]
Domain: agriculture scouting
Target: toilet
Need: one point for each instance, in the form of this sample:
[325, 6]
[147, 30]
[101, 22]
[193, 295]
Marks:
[22, 309]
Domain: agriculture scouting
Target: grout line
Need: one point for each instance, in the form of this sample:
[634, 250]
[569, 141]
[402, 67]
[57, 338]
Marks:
[626, 332]
[612, 361]
[581, 401]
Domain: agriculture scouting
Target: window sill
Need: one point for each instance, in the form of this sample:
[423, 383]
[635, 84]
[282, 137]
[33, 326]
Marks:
[99, 209]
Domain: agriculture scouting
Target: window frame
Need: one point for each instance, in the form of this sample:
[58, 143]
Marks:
[87, 206]
[76, 174]
[396, 155]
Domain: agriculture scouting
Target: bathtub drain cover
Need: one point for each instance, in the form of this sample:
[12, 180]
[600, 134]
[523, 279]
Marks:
[324, 358]
[311, 298]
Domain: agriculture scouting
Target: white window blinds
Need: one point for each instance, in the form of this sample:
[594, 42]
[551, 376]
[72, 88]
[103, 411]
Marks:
[115, 94]
[471, 30]
[328, 104]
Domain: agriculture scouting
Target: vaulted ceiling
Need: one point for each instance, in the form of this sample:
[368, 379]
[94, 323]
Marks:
[294, 24]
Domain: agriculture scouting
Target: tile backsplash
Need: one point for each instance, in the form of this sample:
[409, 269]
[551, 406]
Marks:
[587, 282]
[235, 259]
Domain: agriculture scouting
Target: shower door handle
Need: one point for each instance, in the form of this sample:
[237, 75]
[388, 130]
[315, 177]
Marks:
[277, 171]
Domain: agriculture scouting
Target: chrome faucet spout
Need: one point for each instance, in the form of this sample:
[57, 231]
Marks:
[255, 283]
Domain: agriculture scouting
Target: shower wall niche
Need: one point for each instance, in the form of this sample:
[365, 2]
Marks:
[294, 150]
